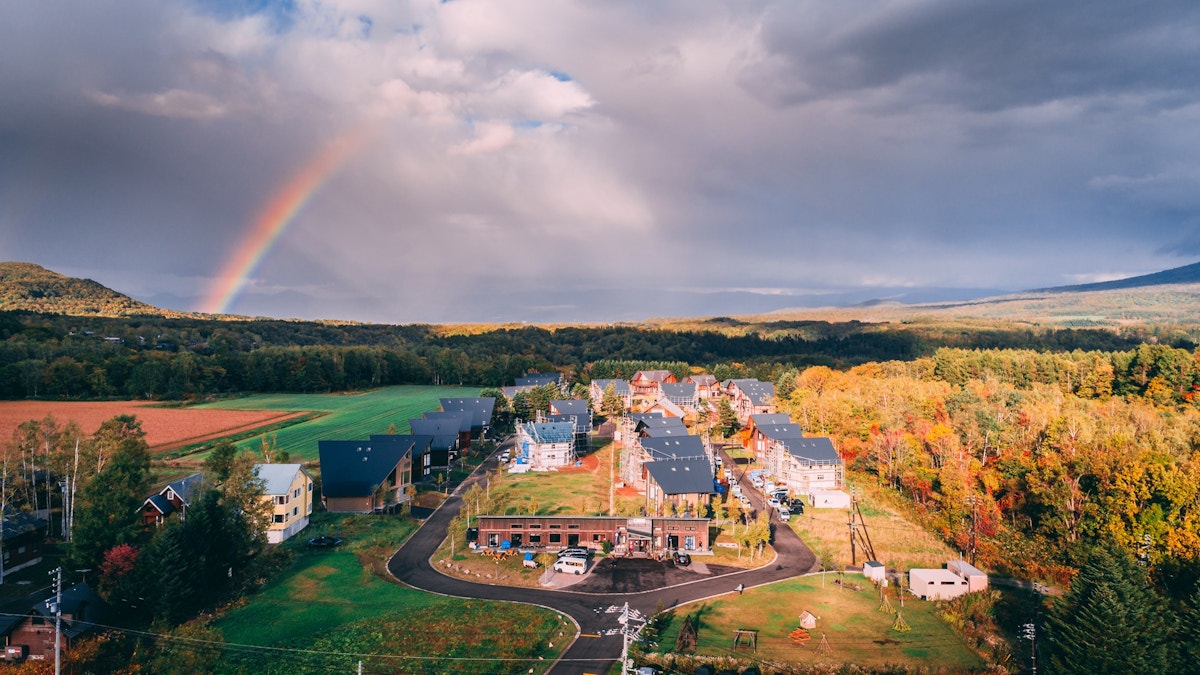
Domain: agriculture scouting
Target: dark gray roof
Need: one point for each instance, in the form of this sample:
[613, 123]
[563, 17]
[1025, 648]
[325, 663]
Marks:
[763, 419]
[480, 407]
[19, 523]
[643, 417]
[759, 393]
[816, 448]
[779, 432]
[538, 380]
[82, 604]
[666, 431]
[659, 422]
[158, 501]
[574, 406]
[463, 418]
[440, 429]
[356, 468]
[619, 386]
[682, 476]
[188, 488]
[674, 447]
[580, 421]
[678, 389]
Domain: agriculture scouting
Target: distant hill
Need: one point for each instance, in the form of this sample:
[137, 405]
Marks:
[33, 288]
[1188, 274]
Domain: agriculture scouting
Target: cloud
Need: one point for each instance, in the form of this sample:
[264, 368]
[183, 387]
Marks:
[604, 151]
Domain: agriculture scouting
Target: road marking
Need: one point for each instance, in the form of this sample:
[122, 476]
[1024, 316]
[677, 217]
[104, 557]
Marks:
[591, 635]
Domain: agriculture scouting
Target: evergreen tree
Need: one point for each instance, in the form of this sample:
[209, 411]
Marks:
[612, 404]
[727, 421]
[1110, 621]
[177, 567]
[1188, 658]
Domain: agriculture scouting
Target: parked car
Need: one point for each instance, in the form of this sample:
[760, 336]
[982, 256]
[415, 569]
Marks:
[744, 500]
[781, 495]
[682, 559]
[757, 482]
[570, 565]
[784, 514]
[735, 489]
[796, 506]
[774, 502]
[575, 552]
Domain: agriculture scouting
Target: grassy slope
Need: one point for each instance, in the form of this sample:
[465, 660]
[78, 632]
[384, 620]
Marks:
[856, 631]
[330, 601]
[346, 416]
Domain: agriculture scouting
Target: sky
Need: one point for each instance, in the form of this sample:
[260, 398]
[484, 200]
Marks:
[561, 160]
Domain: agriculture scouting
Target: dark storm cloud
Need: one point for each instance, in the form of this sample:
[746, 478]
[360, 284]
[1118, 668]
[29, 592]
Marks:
[598, 159]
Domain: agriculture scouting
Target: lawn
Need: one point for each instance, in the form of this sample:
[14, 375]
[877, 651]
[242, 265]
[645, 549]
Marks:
[333, 608]
[854, 628]
[899, 544]
[342, 416]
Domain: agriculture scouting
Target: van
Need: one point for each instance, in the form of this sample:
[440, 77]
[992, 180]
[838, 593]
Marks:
[570, 565]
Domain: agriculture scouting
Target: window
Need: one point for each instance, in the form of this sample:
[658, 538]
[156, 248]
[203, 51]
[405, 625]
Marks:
[281, 500]
[555, 538]
[535, 539]
[279, 517]
[535, 526]
[310, 485]
[597, 537]
[556, 527]
[516, 526]
[296, 493]
[572, 527]
[295, 510]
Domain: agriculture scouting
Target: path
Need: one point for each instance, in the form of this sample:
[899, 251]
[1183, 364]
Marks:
[592, 651]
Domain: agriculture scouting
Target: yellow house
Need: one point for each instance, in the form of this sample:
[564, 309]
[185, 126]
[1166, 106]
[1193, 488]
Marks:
[289, 488]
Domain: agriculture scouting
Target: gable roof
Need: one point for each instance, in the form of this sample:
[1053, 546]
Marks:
[579, 421]
[619, 386]
[574, 406]
[157, 500]
[779, 432]
[659, 422]
[81, 604]
[550, 432]
[704, 380]
[463, 418]
[188, 488]
[764, 419]
[652, 375]
[444, 432]
[637, 418]
[674, 447]
[668, 407]
[480, 408]
[277, 478]
[356, 468]
[538, 380]
[815, 448]
[18, 523]
[682, 476]
[679, 389]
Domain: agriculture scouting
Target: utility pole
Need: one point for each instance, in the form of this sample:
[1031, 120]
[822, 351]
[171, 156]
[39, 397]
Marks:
[55, 608]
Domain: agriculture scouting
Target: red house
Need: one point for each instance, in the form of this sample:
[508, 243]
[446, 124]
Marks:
[646, 382]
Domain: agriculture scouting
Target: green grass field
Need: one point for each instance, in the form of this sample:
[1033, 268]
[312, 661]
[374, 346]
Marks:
[343, 416]
[332, 606]
[856, 631]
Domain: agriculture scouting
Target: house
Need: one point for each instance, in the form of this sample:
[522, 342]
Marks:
[707, 386]
[675, 486]
[646, 382]
[637, 536]
[480, 408]
[682, 394]
[659, 427]
[578, 413]
[29, 629]
[366, 476]
[621, 388]
[174, 498]
[444, 449]
[809, 465]
[766, 442]
[289, 488]
[654, 449]
[666, 408]
[542, 379]
[762, 419]
[22, 538]
[463, 419]
[750, 397]
[545, 445]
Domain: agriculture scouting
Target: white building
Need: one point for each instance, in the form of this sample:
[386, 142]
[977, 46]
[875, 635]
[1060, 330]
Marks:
[545, 445]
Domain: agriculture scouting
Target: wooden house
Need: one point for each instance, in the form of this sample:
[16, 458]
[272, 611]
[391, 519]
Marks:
[480, 408]
[678, 486]
[621, 388]
[22, 541]
[545, 445]
[646, 382]
[808, 465]
[366, 476]
[173, 499]
[29, 631]
[750, 397]
[683, 394]
[707, 386]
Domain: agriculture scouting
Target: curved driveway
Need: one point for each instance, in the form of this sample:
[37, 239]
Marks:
[587, 654]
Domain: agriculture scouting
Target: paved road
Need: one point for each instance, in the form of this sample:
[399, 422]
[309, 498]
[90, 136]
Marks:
[586, 654]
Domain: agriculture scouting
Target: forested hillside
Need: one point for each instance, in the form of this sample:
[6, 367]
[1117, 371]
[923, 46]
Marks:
[30, 287]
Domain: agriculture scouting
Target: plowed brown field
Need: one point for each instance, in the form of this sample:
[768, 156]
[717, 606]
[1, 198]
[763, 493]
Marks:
[166, 428]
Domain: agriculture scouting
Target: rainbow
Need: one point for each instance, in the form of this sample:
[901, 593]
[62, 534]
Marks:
[274, 218]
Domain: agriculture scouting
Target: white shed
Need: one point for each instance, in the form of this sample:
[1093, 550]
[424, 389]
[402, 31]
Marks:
[829, 499]
[976, 580]
[930, 584]
[874, 570]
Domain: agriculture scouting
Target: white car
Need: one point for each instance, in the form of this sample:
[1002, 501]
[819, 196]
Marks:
[757, 482]
[744, 500]
[773, 502]
[784, 514]
[570, 565]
